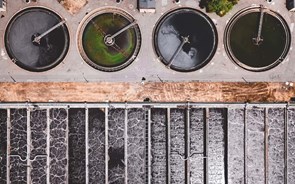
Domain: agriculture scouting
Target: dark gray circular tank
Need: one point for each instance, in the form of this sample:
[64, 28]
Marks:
[36, 39]
[185, 39]
[257, 39]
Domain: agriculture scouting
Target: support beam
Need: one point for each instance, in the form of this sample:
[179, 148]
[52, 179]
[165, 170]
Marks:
[206, 146]
[8, 148]
[126, 144]
[187, 146]
[168, 137]
[226, 145]
[86, 145]
[141, 105]
[106, 146]
[48, 146]
[266, 133]
[149, 147]
[245, 146]
[67, 143]
[286, 145]
[28, 145]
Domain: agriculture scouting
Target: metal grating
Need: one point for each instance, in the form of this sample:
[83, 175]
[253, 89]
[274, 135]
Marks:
[147, 143]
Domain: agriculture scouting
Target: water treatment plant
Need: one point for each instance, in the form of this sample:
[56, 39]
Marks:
[146, 92]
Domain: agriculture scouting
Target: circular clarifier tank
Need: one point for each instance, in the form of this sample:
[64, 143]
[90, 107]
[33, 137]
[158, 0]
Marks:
[185, 39]
[109, 39]
[37, 39]
[257, 38]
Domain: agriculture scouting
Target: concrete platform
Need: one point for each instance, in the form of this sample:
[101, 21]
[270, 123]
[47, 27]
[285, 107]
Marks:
[147, 65]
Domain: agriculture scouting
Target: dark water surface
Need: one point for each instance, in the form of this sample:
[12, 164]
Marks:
[186, 23]
[36, 57]
[271, 49]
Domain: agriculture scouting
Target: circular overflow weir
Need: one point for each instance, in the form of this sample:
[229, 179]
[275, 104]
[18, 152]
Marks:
[185, 39]
[109, 39]
[257, 38]
[36, 39]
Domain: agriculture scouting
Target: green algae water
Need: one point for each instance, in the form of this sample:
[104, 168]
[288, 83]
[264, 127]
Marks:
[114, 56]
[258, 57]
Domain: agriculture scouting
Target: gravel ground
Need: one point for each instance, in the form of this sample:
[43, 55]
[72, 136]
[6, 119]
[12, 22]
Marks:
[197, 145]
[276, 148]
[77, 146]
[136, 146]
[96, 146]
[216, 149]
[291, 146]
[3, 145]
[177, 157]
[236, 143]
[116, 146]
[58, 146]
[255, 141]
[38, 125]
[159, 147]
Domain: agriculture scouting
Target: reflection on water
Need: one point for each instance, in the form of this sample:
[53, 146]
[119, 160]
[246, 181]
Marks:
[185, 23]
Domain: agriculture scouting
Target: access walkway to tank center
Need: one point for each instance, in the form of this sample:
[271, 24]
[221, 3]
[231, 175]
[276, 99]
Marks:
[147, 143]
[146, 63]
